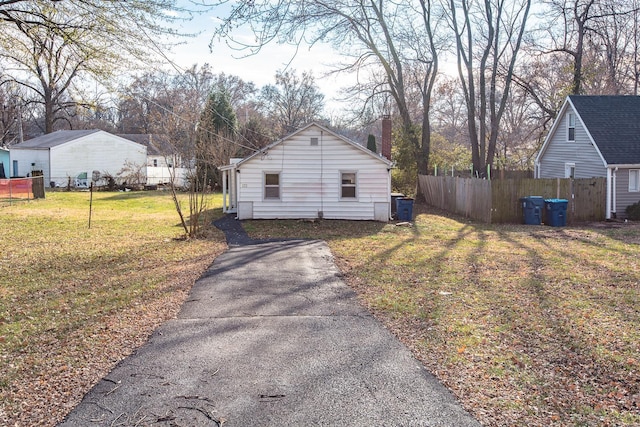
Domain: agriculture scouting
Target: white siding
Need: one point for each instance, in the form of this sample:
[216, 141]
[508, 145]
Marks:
[25, 158]
[99, 151]
[559, 151]
[310, 179]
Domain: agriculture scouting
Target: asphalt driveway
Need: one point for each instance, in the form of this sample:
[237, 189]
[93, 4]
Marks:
[271, 336]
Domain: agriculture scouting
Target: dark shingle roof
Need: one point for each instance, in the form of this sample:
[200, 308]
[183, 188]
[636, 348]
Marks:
[53, 139]
[614, 124]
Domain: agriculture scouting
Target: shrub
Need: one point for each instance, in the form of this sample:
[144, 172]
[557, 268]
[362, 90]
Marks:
[633, 211]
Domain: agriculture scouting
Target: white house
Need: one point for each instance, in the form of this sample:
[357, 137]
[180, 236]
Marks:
[312, 173]
[75, 155]
[596, 136]
[164, 164]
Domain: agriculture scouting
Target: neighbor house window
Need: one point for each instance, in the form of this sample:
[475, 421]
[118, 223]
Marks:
[571, 127]
[155, 163]
[348, 185]
[570, 170]
[634, 180]
[271, 185]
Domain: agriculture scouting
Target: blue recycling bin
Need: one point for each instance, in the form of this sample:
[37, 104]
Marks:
[556, 212]
[404, 208]
[532, 209]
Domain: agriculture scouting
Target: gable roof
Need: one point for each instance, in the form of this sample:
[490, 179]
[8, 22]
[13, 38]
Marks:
[365, 150]
[613, 123]
[157, 145]
[54, 139]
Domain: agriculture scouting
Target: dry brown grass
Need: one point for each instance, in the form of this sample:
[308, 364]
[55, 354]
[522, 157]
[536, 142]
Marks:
[527, 325]
[74, 301]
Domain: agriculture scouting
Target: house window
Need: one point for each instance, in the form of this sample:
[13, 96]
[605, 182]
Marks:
[155, 163]
[571, 127]
[348, 185]
[15, 168]
[271, 185]
[570, 170]
[314, 142]
[634, 180]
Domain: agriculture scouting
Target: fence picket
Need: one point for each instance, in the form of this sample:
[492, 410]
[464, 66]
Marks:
[498, 201]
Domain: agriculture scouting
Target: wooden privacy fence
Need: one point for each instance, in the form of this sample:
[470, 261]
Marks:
[498, 201]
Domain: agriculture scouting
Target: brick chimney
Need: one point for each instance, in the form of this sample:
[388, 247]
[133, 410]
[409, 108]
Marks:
[386, 136]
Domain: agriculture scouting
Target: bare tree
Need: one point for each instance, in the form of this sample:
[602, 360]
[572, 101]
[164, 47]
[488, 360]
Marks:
[293, 101]
[390, 43]
[581, 29]
[52, 47]
[490, 32]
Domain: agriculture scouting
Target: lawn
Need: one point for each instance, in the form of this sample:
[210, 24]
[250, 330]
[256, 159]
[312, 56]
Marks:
[75, 300]
[527, 325]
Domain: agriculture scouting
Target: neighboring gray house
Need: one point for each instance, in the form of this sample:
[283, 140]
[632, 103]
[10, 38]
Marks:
[596, 136]
[312, 173]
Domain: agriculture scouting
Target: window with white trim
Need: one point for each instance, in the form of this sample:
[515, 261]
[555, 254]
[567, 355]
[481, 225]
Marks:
[571, 127]
[570, 170]
[348, 186]
[634, 180]
[271, 185]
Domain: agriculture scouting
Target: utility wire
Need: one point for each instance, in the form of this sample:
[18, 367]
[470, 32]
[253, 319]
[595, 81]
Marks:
[181, 70]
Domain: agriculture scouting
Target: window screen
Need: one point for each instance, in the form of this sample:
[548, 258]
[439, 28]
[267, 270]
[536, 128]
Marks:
[348, 184]
[634, 180]
[272, 186]
[571, 127]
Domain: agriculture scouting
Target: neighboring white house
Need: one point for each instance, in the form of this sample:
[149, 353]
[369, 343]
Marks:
[163, 162]
[312, 173]
[596, 136]
[75, 155]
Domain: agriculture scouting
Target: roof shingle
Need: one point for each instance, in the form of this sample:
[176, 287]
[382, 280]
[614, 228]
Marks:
[614, 124]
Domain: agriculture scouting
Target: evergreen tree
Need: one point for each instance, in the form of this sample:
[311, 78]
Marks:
[371, 143]
[215, 140]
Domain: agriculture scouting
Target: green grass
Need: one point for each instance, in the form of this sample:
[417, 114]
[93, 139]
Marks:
[67, 290]
[528, 325]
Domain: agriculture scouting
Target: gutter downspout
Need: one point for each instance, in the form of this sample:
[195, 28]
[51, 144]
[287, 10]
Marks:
[608, 204]
[613, 194]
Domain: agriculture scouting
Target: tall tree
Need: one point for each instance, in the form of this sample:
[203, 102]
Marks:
[293, 101]
[491, 31]
[53, 46]
[216, 138]
[581, 29]
[395, 41]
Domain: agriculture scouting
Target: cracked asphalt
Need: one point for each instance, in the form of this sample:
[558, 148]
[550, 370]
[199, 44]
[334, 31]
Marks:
[270, 336]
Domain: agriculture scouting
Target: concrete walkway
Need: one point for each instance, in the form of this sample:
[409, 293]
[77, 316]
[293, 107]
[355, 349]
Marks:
[270, 336]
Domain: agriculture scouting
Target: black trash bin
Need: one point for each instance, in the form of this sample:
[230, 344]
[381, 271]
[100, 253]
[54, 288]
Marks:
[556, 212]
[404, 208]
[394, 204]
[532, 209]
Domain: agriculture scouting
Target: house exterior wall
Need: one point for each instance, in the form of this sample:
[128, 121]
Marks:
[6, 164]
[310, 181]
[624, 197]
[29, 160]
[100, 151]
[559, 151]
